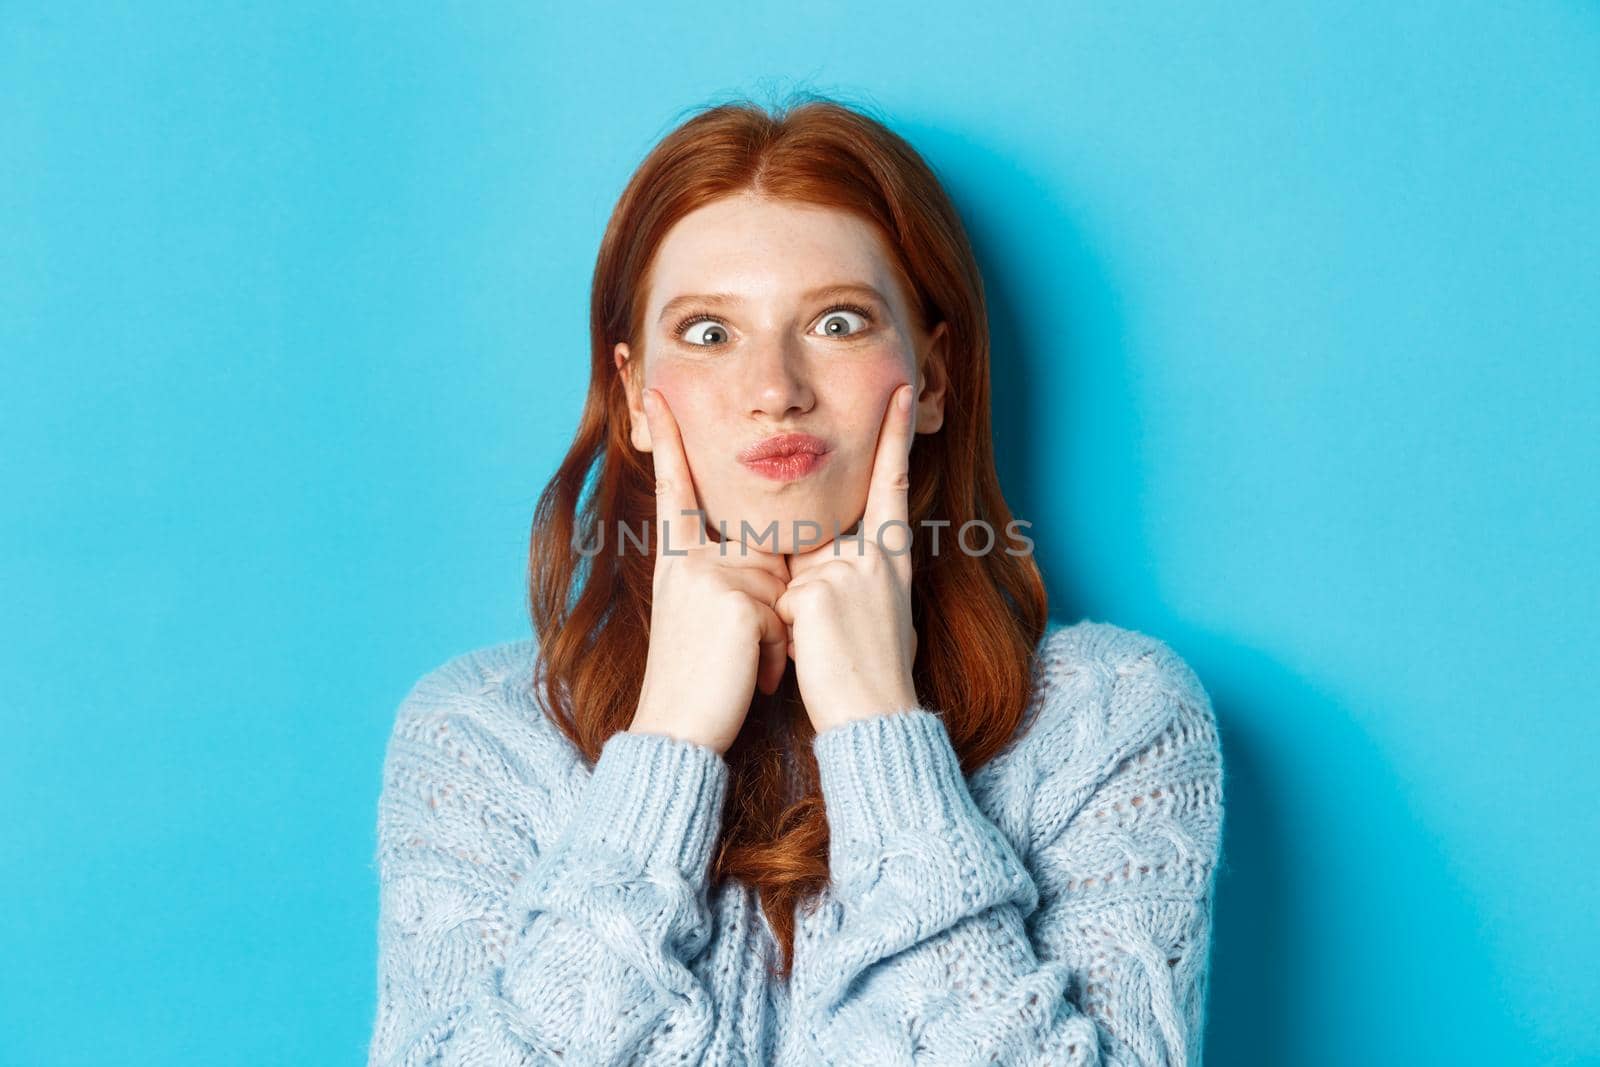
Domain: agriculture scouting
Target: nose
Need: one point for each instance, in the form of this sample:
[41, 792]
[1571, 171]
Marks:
[776, 380]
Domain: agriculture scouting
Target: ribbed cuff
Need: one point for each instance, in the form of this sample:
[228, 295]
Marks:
[890, 773]
[656, 801]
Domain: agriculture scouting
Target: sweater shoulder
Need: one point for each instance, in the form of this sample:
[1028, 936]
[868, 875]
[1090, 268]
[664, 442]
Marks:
[1100, 692]
[1091, 650]
[476, 671]
[483, 708]
[1110, 707]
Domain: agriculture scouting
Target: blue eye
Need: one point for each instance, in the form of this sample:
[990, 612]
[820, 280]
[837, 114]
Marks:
[830, 323]
[686, 324]
[833, 316]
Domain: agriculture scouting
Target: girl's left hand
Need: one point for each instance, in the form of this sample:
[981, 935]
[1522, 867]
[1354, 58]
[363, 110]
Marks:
[848, 602]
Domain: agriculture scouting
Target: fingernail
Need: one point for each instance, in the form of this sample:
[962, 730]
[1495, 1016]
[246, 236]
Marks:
[905, 398]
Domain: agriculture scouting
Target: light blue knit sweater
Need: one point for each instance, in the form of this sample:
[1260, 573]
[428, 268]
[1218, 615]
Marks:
[1054, 908]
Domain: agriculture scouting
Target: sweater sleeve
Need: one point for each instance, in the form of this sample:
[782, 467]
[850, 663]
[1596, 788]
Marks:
[946, 948]
[492, 951]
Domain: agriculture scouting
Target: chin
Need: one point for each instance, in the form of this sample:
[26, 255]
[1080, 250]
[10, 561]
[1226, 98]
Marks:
[815, 524]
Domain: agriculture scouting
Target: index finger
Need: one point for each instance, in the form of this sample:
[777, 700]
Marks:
[891, 467]
[675, 495]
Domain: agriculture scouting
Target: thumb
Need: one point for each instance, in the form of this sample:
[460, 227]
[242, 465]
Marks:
[772, 662]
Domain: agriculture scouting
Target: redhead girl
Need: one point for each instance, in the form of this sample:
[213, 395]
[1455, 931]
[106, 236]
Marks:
[795, 768]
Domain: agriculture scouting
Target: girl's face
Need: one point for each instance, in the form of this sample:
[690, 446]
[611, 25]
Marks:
[766, 317]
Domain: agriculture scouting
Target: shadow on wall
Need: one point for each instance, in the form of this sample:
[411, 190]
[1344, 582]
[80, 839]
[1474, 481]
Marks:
[1339, 935]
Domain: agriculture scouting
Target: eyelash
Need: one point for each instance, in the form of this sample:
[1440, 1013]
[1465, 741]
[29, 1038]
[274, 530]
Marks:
[703, 316]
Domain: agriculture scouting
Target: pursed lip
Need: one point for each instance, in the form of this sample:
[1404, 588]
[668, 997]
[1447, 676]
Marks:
[783, 444]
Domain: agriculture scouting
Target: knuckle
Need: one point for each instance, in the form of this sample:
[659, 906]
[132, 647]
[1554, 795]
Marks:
[738, 606]
[813, 592]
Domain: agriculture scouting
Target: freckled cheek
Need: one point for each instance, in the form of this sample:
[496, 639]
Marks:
[887, 375]
[690, 397]
[866, 394]
[856, 395]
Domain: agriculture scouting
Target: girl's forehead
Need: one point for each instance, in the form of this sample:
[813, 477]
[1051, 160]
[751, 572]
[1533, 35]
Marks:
[714, 242]
[774, 253]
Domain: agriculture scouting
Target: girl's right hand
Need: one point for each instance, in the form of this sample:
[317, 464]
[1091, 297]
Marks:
[714, 634]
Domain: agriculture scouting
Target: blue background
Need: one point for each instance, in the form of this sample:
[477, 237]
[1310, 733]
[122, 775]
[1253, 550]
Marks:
[1296, 313]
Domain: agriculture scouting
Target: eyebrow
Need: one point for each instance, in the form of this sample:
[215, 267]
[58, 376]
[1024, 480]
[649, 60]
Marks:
[825, 292]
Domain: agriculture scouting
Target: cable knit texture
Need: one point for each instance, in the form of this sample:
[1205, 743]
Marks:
[1052, 908]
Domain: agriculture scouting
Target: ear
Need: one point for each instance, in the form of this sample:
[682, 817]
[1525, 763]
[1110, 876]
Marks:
[633, 386]
[933, 378]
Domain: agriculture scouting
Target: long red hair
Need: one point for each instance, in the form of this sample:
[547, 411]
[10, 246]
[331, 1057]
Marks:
[978, 617]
